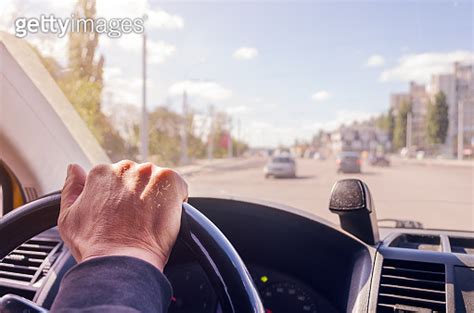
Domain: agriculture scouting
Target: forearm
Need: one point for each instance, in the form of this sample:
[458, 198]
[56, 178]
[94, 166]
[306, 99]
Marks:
[113, 284]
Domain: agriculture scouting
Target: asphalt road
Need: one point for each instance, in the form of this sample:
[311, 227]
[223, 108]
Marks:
[438, 196]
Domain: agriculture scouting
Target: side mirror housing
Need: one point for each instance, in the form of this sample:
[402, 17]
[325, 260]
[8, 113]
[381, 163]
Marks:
[352, 201]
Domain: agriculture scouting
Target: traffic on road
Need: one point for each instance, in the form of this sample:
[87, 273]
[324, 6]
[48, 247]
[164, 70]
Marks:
[438, 196]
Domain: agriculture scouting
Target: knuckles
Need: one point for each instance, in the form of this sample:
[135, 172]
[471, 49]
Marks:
[99, 170]
[171, 176]
[124, 165]
[168, 174]
[145, 168]
[140, 171]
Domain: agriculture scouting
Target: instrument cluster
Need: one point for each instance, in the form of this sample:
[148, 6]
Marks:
[280, 293]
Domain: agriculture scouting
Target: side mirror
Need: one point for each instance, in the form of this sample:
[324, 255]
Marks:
[352, 201]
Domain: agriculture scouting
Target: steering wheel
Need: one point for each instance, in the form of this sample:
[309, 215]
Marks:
[223, 266]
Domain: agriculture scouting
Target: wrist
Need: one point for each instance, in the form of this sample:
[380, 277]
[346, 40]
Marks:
[139, 253]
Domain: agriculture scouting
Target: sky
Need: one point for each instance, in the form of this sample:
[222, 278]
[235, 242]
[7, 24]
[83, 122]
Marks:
[281, 69]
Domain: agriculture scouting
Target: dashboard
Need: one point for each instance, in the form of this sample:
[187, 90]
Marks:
[279, 292]
[299, 263]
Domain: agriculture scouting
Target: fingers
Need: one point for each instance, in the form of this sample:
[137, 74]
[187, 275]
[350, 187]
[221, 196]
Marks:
[143, 172]
[170, 176]
[123, 166]
[144, 179]
[73, 186]
[164, 179]
[134, 176]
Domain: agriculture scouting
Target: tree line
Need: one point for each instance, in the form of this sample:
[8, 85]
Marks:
[436, 122]
[82, 83]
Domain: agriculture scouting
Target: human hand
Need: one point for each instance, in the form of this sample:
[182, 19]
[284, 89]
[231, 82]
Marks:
[125, 209]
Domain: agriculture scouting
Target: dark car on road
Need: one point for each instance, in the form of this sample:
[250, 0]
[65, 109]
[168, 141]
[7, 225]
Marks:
[379, 160]
[348, 162]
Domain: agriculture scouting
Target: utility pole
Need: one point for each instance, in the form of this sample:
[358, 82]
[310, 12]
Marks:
[210, 137]
[184, 132]
[460, 130]
[238, 137]
[409, 132]
[144, 123]
[230, 147]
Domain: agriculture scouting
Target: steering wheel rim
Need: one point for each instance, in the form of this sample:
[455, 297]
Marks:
[219, 259]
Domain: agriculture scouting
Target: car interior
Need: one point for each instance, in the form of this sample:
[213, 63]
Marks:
[317, 87]
[297, 261]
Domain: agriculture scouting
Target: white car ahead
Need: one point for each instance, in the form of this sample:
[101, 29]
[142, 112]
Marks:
[280, 166]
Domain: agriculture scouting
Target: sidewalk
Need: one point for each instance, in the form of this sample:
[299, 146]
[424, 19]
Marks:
[433, 162]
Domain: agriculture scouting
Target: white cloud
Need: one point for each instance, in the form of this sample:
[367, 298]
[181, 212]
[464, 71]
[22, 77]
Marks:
[260, 132]
[121, 89]
[124, 117]
[157, 51]
[208, 90]
[320, 95]
[161, 19]
[9, 13]
[111, 72]
[345, 117]
[47, 43]
[63, 7]
[121, 8]
[245, 53]
[240, 109]
[156, 17]
[420, 67]
[375, 60]
[51, 46]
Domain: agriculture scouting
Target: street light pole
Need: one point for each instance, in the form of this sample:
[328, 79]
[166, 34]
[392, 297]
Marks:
[184, 131]
[409, 131]
[460, 130]
[230, 147]
[210, 137]
[238, 139]
[144, 123]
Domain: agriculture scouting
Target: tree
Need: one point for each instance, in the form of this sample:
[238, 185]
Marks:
[221, 130]
[165, 137]
[400, 129]
[83, 45]
[386, 122]
[437, 120]
[82, 83]
[390, 120]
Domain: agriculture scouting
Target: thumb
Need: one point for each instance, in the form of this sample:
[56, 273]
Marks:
[73, 186]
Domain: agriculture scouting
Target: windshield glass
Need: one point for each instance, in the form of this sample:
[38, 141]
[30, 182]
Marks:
[349, 155]
[231, 86]
[281, 160]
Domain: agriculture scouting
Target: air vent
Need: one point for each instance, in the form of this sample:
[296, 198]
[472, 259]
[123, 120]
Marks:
[462, 245]
[418, 242]
[409, 286]
[30, 262]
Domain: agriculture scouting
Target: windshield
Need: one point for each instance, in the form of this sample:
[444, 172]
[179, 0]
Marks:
[349, 155]
[281, 160]
[216, 90]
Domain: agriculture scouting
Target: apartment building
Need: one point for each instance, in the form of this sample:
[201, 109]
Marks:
[459, 90]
